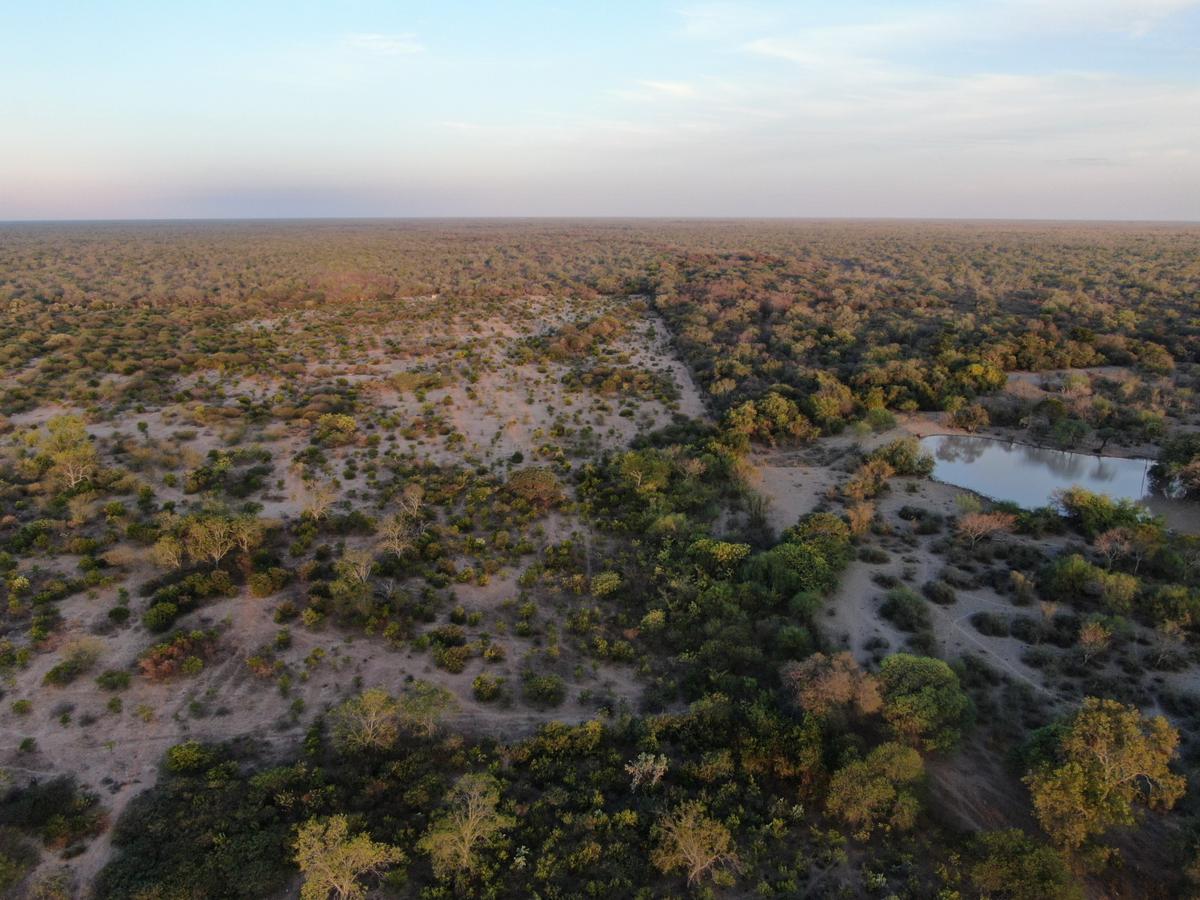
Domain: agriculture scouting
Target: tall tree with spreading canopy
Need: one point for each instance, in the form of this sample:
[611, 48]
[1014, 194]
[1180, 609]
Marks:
[333, 861]
[472, 822]
[370, 721]
[1109, 760]
[690, 840]
[73, 458]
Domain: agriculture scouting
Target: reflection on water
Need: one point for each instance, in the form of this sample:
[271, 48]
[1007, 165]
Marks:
[1029, 476]
[1033, 472]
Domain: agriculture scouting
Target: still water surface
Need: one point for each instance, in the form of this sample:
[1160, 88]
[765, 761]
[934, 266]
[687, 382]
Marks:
[1029, 476]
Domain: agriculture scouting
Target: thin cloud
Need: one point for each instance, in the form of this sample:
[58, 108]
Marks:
[986, 23]
[1133, 17]
[384, 44]
[671, 88]
[336, 61]
[723, 20]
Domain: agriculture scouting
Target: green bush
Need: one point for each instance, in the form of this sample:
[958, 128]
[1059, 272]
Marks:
[1071, 579]
[113, 680]
[191, 756]
[906, 610]
[990, 624]
[62, 673]
[160, 617]
[906, 457]
[940, 592]
[261, 585]
[452, 659]
[487, 687]
[17, 857]
[78, 658]
[264, 584]
[1094, 513]
[543, 690]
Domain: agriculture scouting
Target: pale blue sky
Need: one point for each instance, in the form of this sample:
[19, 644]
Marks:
[997, 108]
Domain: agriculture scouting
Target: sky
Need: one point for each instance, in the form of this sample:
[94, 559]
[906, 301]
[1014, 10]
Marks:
[1064, 109]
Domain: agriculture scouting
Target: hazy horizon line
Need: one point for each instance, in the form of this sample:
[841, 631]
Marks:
[594, 218]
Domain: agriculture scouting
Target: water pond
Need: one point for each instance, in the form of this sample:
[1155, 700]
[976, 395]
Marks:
[1029, 476]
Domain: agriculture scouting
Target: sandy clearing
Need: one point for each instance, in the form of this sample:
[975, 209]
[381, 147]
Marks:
[791, 491]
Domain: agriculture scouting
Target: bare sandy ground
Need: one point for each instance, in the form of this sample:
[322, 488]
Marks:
[855, 619]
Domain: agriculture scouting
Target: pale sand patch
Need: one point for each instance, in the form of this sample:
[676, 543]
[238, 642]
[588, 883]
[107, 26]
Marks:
[791, 491]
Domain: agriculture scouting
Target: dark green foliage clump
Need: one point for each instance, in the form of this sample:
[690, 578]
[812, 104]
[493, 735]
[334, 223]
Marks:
[58, 812]
[906, 609]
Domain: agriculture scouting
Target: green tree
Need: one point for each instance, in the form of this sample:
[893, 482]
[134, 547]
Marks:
[831, 403]
[73, 458]
[190, 756]
[771, 418]
[646, 471]
[538, 486]
[906, 457]
[1012, 865]
[333, 861]
[790, 568]
[370, 721]
[721, 557]
[605, 583]
[874, 792]
[827, 533]
[335, 429]
[982, 376]
[472, 822]
[689, 839]
[1109, 760]
[1095, 513]
[423, 706]
[923, 701]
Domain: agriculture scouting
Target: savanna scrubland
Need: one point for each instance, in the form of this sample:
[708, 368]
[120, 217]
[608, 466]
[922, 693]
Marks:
[596, 558]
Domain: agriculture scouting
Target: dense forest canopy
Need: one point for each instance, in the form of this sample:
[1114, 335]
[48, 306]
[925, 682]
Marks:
[901, 313]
